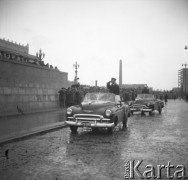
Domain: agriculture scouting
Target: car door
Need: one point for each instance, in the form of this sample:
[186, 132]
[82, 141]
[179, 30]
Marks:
[120, 108]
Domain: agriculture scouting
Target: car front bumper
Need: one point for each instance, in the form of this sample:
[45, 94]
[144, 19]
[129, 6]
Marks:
[141, 109]
[84, 124]
[89, 120]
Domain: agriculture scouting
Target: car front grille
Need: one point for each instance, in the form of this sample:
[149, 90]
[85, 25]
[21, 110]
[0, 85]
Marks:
[91, 118]
[139, 106]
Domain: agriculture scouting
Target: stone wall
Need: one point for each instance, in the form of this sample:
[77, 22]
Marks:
[29, 87]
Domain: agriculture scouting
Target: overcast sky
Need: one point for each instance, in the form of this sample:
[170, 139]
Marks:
[148, 35]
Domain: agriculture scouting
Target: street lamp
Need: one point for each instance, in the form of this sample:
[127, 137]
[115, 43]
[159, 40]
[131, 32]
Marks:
[40, 54]
[76, 66]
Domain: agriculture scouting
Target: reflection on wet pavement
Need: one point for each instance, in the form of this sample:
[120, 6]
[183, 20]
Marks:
[154, 139]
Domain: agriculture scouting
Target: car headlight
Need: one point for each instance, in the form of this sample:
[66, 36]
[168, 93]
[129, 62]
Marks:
[69, 111]
[108, 112]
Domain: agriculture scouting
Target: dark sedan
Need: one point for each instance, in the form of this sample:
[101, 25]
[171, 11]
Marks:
[98, 110]
[146, 103]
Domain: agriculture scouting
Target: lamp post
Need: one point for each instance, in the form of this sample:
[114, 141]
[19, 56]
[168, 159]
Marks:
[76, 66]
[40, 54]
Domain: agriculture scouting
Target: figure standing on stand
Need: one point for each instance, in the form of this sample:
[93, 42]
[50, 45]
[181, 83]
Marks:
[113, 86]
[145, 90]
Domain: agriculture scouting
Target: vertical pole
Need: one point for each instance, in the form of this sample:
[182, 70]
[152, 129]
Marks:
[120, 72]
[96, 82]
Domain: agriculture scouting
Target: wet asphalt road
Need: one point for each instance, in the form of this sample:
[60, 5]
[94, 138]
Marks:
[56, 155]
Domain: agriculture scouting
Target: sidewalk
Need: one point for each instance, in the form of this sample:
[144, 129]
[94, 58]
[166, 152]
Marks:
[16, 127]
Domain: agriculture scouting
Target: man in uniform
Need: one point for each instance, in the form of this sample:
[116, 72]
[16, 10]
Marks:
[113, 86]
[145, 90]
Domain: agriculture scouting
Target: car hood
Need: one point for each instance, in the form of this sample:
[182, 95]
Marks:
[92, 108]
[144, 101]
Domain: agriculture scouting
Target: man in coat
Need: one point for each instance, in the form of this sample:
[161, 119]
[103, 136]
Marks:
[113, 86]
[145, 90]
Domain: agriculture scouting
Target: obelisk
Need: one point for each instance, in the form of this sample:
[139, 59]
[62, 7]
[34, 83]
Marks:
[120, 72]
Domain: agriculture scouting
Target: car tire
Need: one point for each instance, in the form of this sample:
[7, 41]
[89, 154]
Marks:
[110, 130]
[159, 109]
[95, 129]
[73, 129]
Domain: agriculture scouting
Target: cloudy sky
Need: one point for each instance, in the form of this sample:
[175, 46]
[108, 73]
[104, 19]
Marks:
[148, 35]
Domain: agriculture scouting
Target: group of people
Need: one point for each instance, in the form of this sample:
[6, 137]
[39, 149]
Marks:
[21, 58]
[75, 94]
[70, 96]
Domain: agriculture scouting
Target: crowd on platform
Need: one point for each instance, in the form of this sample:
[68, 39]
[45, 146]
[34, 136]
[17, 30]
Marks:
[20, 58]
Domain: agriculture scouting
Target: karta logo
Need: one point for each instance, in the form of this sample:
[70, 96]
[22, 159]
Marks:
[155, 172]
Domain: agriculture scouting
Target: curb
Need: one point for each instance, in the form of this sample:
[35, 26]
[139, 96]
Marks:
[25, 134]
[31, 112]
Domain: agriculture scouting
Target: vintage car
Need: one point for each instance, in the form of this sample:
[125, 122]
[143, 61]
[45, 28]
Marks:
[98, 110]
[146, 103]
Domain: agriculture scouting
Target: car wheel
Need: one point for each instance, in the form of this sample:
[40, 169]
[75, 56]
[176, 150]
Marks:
[95, 129]
[110, 130]
[159, 109]
[73, 129]
[142, 113]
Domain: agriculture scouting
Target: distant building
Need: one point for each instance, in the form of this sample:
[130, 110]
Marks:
[135, 86]
[183, 81]
[139, 87]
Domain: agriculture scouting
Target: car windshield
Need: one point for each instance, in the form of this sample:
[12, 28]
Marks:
[99, 97]
[145, 96]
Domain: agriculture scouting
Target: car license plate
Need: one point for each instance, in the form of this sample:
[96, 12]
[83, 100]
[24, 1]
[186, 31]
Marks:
[86, 124]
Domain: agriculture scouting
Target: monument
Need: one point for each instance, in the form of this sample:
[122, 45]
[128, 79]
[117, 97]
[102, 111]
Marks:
[26, 84]
[120, 72]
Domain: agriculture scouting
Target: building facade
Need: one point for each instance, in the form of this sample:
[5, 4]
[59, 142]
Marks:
[183, 81]
[27, 84]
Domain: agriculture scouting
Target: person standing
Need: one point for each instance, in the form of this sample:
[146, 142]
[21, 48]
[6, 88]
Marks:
[113, 86]
[62, 97]
[166, 98]
[145, 90]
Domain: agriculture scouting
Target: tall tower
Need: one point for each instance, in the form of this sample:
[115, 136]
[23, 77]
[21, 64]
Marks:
[76, 66]
[120, 72]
